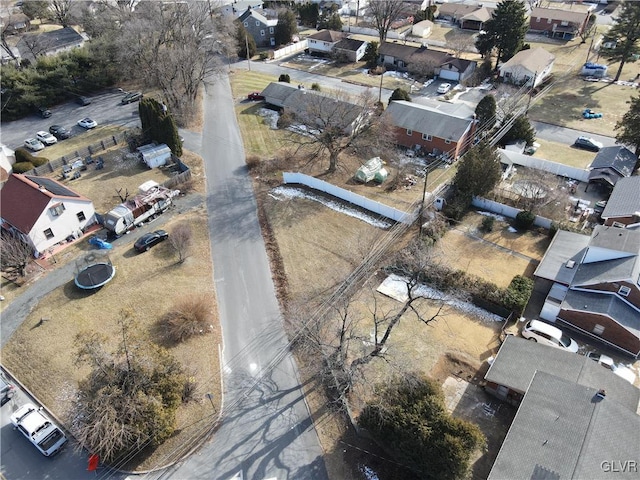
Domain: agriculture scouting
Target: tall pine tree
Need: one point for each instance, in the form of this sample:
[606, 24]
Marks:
[159, 125]
[625, 34]
[505, 31]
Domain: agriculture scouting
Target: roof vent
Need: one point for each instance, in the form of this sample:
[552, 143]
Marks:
[570, 264]
[601, 393]
[42, 188]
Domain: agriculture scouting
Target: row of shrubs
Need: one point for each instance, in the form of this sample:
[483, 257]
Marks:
[482, 293]
[25, 161]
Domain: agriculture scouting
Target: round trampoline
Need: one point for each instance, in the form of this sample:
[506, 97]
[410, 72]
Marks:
[94, 273]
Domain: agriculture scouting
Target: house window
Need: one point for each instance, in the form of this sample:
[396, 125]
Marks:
[564, 23]
[624, 291]
[537, 19]
[81, 217]
[598, 329]
[257, 23]
[548, 20]
[57, 209]
[409, 132]
[447, 142]
[426, 137]
[271, 31]
[246, 24]
[48, 234]
[262, 32]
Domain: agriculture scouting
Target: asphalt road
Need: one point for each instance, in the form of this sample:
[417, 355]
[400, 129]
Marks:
[567, 136]
[266, 431]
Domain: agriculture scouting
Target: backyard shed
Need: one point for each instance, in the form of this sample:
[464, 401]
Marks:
[155, 155]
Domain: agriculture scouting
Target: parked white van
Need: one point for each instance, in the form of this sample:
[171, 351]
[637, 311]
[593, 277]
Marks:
[548, 335]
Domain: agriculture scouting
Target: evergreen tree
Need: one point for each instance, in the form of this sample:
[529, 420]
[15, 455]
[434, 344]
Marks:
[520, 130]
[287, 27]
[505, 31]
[159, 125]
[244, 38]
[331, 21]
[309, 14]
[400, 94]
[371, 55]
[479, 171]
[625, 33]
[486, 111]
[629, 126]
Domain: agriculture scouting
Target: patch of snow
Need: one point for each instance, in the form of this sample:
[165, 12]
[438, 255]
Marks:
[500, 218]
[270, 117]
[395, 286]
[512, 230]
[284, 192]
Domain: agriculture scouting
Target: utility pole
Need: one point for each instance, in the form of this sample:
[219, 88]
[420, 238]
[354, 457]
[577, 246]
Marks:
[380, 89]
[533, 84]
[591, 44]
[424, 197]
[246, 41]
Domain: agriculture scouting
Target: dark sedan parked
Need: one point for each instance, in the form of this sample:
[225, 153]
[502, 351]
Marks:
[59, 132]
[148, 240]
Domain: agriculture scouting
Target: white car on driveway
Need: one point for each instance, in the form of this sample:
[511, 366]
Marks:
[87, 123]
[608, 363]
[34, 144]
[46, 137]
[546, 334]
[444, 87]
[38, 429]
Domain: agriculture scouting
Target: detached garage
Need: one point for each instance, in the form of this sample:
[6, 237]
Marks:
[456, 69]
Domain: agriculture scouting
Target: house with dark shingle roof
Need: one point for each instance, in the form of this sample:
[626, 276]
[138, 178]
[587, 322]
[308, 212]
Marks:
[49, 43]
[425, 61]
[454, 11]
[518, 360]
[557, 23]
[43, 211]
[351, 49]
[623, 206]
[259, 26]
[566, 430]
[324, 41]
[611, 164]
[432, 129]
[592, 285]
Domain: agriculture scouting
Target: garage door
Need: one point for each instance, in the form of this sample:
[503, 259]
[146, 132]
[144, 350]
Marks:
[449, 75]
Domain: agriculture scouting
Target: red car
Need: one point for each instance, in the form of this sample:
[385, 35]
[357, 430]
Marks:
[255, 96]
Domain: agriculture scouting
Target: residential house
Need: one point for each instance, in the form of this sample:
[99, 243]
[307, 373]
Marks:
[237, 8]
[324, 41]
[425, 61]
[556, 23]
[476, 20]
[518, 360]
[49, 43]
[623, 206]
[530, 67]
[431, 129]
[261, 28]
[313, 106]
[14, 23]
[44, 212]
[565, 430]
[422, 29]
[350, 49]
[7, 159]
[592, 285]
[611, 164]
[453, 12]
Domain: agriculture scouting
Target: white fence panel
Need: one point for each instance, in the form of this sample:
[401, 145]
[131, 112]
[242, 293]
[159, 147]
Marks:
[579, 174]
[507, 211]
[290, 49]
[354, 198]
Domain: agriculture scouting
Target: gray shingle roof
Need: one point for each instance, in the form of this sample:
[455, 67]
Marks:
[625, 198]
[327, 36]
[350, 44]
[427, 120]
[519, 359]
[49, 41]
[534, 59]
[619, 158]
[563, 430]
[565, 246]
[610, 305]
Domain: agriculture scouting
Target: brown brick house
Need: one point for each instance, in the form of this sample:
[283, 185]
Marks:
[556, 23]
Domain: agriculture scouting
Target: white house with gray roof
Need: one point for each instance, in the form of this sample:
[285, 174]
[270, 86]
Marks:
[592, 284]
[530, 67]
[564, 430]
[623, 206]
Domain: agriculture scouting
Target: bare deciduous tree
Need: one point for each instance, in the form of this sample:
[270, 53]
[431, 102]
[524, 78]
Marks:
[181, 239]
[331, 123]
[15, 255]
[61, 11]
[460, 43]
[384, 12]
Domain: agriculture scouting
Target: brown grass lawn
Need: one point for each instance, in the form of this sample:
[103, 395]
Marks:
[81, 140]
[43, 356]
[562, 153]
